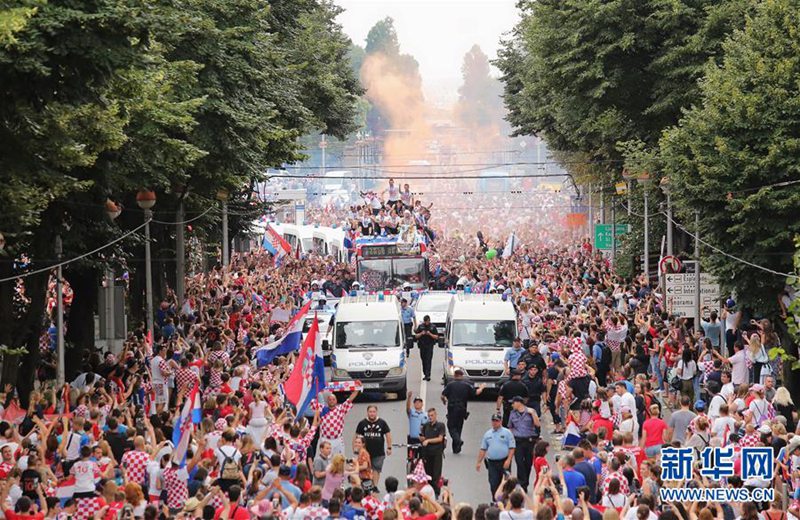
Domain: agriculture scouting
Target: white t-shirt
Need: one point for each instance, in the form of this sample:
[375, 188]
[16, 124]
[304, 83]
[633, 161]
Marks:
[687, 371]
[730, 319]
[73, 446]
[631, 514]
[154, 476]
[739, 372]
[618, 500]
[525, 514]
[727, 390]
[713, 407]
[227, 451]
[720, 424]
[86, 474]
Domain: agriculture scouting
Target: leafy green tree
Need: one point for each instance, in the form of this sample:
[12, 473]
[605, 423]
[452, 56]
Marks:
[625, 70]
[729, 155]
[479, 103]
[70, 77]
[382, 38]
[13, 19]
[105, 98]
[385, 61]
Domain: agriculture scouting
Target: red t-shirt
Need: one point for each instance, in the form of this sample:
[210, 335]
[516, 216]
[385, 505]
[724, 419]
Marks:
[538, 464]
[598, 421]
[237, 513]
[11, 515]
[654, 427]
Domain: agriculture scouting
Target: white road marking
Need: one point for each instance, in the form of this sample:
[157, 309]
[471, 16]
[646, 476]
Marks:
[423, 388]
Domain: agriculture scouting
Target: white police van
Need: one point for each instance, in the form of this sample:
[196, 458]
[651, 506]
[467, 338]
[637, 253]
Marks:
[434, 304]
[480, 327]
[367, 343]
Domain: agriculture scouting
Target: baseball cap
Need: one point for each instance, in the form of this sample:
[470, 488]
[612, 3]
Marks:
[418, 398]
[497, 417]
[764, 428]
[517, 399]
[700, 405]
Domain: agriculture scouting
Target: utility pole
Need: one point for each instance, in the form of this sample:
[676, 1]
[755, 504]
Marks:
[60, 372]
[110, 318]
[613, 232]
[591, 216]
[697, 299]
[646, 235]
[148, 273]
[222, 196]
[602, 207]
[180, 255]
[323, 145]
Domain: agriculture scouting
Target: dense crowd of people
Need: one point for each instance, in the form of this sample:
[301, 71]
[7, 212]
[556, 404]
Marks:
[600, 375]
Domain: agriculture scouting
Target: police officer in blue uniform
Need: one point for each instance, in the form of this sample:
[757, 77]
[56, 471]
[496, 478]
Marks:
[497, 452]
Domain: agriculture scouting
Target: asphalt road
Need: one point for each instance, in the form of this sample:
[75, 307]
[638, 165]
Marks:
[465, 482]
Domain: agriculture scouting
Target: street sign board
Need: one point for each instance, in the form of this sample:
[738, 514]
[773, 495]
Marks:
[602, 234]
[681, 289]
[670, 264]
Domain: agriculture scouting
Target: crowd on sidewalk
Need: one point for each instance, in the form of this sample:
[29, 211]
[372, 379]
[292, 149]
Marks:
[598, 359]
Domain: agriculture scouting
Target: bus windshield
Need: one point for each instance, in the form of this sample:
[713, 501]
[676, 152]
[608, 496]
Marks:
[431, 304]
[483, 333]
[409, 270]
[362, 334]
[375, 274]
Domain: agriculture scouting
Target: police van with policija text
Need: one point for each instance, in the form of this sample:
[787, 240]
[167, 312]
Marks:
[367, 343]
[479, 329]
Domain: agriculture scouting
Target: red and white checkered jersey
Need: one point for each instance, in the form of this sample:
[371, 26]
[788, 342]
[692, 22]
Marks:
[750, 439]
[87, 507]
[135, 464]
[577, 363]
[331, 424]
[185, 378]
[623, 482]
[175, 482]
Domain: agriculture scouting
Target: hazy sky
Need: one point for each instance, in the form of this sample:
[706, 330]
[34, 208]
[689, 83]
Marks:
[436, 32]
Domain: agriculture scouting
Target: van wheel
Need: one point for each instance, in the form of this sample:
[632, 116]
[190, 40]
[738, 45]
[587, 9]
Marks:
[402, 393]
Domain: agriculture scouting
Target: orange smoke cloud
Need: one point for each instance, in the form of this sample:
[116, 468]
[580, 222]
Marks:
[398, 95]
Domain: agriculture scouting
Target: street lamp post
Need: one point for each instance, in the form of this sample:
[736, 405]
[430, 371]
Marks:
[697, 300]
[644, 181]
[222, 196]
[113, 211]
[60, 372]
[146, 199]
[628, 178]
[665, 187]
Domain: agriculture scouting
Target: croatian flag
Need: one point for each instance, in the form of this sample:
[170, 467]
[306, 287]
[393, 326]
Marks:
[65, 488]
[511, 245]
[308, 376]
[572, 435]
[191, 414]
[288, 343]
[275, 244]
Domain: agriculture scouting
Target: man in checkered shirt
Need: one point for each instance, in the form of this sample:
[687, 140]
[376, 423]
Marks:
[160, 371]
[185, 377]
[135, 461]
[331, 427]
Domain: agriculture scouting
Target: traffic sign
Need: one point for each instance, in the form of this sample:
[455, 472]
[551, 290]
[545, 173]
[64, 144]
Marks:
[670, 264]
[602, 234]
[681, 290]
